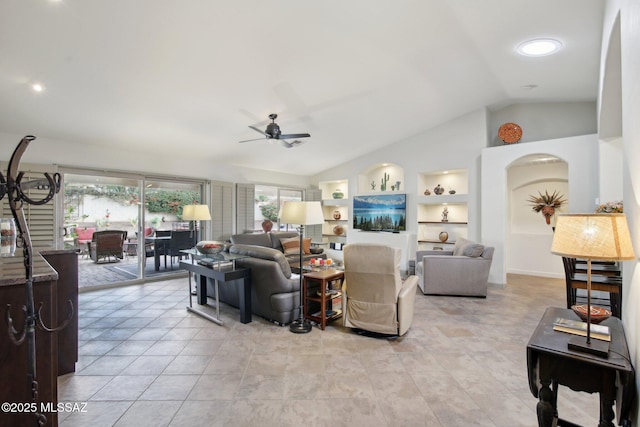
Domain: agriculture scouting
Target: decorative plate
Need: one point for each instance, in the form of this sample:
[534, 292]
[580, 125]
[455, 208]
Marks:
[510, 133]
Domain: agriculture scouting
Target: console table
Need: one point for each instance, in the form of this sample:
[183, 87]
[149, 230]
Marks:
[224, 271]
[550, 363]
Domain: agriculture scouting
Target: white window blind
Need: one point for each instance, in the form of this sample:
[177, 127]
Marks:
[221, 210]
[40, 218]
[245, 207]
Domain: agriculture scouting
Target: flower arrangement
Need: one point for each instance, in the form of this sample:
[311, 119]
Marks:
[547, 203]
[610, 207]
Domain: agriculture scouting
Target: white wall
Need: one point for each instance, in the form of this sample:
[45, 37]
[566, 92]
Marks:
[622, 20]
[455, 145]
[581, 154]
[546, 120]
[611, 163]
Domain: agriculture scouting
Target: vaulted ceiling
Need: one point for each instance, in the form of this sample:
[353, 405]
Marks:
[191, 76]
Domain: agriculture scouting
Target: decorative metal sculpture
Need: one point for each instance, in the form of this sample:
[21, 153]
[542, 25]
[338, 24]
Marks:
[14, 189]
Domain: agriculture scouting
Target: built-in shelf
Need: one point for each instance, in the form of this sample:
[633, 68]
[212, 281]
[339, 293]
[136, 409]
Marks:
[331, 206]
[431, 206]
[381, 179]
[441, 222]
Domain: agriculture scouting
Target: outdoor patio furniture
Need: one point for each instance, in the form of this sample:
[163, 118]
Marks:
[107, 244]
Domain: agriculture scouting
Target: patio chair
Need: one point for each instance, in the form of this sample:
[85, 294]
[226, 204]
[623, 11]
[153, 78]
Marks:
[107, 244]
[180, 239]
[84, 235]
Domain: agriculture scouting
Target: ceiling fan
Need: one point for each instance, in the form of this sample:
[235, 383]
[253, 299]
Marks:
[273, 132]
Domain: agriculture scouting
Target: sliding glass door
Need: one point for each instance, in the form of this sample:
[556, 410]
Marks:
[143, 207]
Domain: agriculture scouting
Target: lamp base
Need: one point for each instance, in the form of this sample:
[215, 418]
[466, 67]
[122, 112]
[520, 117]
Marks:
[300, 327]
[596, 347]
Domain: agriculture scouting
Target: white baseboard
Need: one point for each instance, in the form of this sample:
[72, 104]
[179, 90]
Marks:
[537, 273]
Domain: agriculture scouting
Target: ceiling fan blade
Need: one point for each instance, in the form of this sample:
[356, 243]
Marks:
[260, 131]
[295, 135]
[250, 140]
[292, 144]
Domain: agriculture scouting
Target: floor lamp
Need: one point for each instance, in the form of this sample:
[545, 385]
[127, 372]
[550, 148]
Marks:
[301, 214]
[196, 213]
[603, 237]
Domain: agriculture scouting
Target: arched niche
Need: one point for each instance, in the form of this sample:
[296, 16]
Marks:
[371, 179]
[528, 238]
[581, 154]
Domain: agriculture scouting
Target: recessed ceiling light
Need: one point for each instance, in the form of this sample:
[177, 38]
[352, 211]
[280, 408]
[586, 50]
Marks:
[539, 47]
[37, 87]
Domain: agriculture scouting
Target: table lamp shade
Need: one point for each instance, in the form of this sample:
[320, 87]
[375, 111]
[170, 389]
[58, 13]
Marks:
[196, 213]
[593, 236]
[302, 213]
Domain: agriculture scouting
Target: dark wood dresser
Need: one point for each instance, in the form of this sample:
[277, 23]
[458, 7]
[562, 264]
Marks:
[65, 262]
[13, 359]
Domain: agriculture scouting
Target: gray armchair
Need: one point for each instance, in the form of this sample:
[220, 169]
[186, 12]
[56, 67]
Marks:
[464, 271]
[374, 297]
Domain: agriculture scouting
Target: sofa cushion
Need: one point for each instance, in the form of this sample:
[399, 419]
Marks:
[468, 248]
[268, 254]
[291, 245]
[258, 239]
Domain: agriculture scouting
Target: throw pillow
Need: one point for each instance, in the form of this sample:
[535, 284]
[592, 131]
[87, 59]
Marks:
[291, 245]
[464, 247]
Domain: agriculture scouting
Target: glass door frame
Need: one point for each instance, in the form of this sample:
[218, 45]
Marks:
[141, 180]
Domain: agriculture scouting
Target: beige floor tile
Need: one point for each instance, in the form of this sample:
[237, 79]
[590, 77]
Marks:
[180, 369]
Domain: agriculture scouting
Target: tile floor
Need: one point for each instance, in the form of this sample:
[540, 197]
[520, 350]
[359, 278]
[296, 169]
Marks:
[145, 361]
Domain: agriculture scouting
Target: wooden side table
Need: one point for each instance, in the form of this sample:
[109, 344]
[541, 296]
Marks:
[550, 363]
[314, 288]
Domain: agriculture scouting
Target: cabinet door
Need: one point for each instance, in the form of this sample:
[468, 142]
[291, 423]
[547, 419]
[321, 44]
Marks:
[16, 387]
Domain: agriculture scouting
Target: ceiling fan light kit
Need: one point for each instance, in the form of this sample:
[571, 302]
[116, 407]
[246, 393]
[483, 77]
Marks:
[273, 132]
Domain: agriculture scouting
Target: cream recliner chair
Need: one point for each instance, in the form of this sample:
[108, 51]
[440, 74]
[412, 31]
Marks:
[374, 297]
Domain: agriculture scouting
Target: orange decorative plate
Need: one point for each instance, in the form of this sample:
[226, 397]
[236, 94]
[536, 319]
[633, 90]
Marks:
[510, 133]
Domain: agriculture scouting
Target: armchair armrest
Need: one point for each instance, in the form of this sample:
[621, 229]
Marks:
[406, 300]
[421, 254]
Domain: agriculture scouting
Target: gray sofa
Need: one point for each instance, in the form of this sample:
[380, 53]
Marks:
[275, 291]
[272, 240]
[463, 271]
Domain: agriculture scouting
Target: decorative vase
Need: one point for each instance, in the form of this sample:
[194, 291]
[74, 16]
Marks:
[338, 194]
[438, 190]
[336, 215]
[452, 191]
[8, 237]
[267, 225]
[427, 192]
[397, 185]
[338, 230]
[443, 236]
